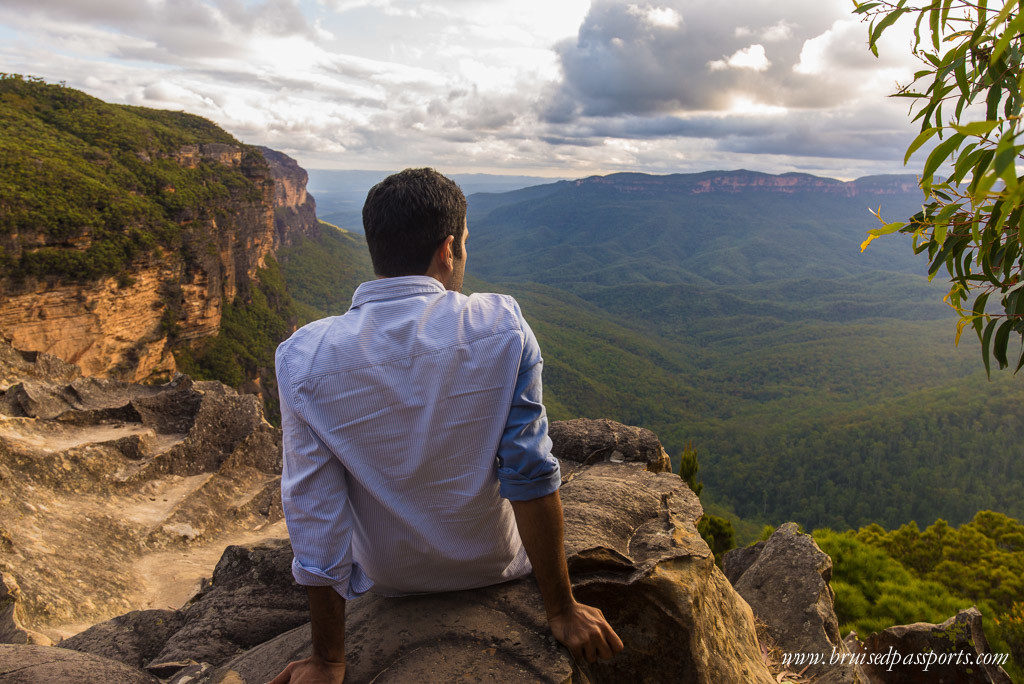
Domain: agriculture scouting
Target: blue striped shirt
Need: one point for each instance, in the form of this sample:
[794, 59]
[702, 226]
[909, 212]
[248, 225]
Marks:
[407, 423]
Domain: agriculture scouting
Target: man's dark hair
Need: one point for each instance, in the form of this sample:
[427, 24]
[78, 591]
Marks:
[407, 216]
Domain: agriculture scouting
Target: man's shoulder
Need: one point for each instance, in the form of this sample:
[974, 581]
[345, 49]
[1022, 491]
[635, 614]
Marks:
[303, 336]
[493, 310]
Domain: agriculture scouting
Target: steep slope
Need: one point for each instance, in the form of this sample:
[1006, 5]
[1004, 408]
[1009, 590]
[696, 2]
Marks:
[125, 231]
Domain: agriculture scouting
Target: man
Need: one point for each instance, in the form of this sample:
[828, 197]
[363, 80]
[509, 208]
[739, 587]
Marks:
[416, 455]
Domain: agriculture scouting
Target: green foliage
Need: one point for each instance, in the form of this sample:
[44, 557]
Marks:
[971, 221]
[982, 560]
[766, 532]
[322, 273]
[933, 572]
[688, 468]
[100, 183]
[250, 331]
[874, 591]
[718, 534]
[1009, 628]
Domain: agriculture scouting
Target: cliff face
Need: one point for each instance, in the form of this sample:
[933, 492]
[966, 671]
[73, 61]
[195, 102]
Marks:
[294, 208]
[126, 326]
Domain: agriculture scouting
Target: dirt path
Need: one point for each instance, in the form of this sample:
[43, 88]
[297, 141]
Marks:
[168, 579]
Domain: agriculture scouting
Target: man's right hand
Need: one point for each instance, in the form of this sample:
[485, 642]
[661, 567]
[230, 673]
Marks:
[311, 671]
[585, 632]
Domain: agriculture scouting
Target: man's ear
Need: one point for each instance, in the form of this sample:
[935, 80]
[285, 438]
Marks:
[445, 255]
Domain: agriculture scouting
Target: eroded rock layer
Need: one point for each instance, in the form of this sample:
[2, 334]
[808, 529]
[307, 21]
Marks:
[97, 475]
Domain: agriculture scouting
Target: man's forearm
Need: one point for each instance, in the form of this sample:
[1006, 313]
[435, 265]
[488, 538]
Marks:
[541, 528]
[327, 622]
[583, 629]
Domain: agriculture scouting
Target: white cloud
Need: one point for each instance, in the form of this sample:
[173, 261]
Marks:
[663, 17]
[752, 57]
[781, 30]
[813, 54]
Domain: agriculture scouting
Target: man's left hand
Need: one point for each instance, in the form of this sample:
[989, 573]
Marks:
[585, 632]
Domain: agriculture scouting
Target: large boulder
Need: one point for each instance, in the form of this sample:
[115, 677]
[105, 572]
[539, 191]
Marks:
[633, 551]
[252, 598]
[585, 441]
[926, 653]
[737, 561]
[49, 665]
[133, 639]
[787, 586]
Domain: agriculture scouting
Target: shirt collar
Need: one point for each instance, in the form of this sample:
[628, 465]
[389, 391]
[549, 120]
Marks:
[395, 288]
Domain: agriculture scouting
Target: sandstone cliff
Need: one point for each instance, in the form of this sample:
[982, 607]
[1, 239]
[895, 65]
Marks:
[125, 231]
[127, 327]
[294, 208]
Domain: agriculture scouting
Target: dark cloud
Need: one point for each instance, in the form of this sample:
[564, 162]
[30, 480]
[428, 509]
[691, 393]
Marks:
[623, 63]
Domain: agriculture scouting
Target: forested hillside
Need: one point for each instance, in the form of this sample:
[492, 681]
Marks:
[818, 383]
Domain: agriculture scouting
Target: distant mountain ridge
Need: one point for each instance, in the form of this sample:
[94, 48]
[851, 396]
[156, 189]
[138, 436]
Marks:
[743, 180]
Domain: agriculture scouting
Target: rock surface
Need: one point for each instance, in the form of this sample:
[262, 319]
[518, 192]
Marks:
[11, 630]
[48, 665]
[736, 561]
[584, 441]
[787, 586]
[133, 639]
[252, 598]
[633, 551]
[960, 636]
[110, 473]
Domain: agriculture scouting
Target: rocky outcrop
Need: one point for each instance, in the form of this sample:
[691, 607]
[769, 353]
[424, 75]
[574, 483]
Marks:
[787, 586]
[250, 599]
[955, 651]
[584, 441]
[45, 665]
[98, 475]
[133, 639]
[633, 551]
[127, 327]
[11, 630]
[294, 208]
[736, 561]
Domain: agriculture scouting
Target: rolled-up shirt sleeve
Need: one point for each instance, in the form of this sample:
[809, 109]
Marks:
[314, 496]
[526, 468]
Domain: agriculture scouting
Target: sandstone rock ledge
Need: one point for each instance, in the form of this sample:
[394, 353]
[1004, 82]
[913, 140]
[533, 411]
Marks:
[633, 551]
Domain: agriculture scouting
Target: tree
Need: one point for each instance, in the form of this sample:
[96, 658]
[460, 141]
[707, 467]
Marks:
[968, 96]
[688, 468]
[719, 535]
[717, 532]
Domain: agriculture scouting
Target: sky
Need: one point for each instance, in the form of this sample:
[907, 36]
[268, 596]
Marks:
[558, 88]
